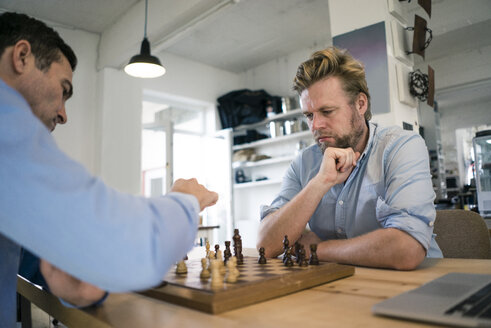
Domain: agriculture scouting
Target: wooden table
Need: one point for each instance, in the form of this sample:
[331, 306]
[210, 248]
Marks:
[343, 303]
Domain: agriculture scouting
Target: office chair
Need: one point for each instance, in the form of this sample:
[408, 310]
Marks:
[462, 234]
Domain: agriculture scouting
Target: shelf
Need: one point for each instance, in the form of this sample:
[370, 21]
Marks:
[263, 142]
[156, 126]
[269, 161]
[277, 117]
[256, 184]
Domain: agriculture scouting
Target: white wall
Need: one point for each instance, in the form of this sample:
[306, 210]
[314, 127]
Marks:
[104, 115]
[120, 110]
[78, 136]
[276, 76]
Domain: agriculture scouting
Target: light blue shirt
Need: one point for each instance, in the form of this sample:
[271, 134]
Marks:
[389, 188]
[53, 207]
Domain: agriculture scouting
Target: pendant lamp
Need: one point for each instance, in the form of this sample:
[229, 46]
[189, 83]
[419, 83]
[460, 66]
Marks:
[144, 65]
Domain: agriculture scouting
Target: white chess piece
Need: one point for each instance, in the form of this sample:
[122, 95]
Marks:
[181, 267]
[216, 277]
[232, 271]
[205, 273]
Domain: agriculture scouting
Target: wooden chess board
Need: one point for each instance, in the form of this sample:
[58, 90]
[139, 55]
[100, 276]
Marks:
[256, 283]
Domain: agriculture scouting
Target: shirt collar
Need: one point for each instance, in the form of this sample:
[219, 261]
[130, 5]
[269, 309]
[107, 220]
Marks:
[371, 132]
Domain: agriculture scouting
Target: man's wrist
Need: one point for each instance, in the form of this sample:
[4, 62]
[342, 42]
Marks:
[319, 185]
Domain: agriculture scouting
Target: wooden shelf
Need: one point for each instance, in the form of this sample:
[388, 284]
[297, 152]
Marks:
[256, 184]
[277, 117]
[263, 162]
[263, 142]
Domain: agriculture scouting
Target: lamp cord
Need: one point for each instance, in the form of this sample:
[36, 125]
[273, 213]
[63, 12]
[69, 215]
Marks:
[146, 13]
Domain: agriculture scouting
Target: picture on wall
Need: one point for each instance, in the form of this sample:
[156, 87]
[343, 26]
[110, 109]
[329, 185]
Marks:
[369, 46]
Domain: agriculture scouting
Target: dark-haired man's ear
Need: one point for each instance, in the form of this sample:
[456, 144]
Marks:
[21, 55]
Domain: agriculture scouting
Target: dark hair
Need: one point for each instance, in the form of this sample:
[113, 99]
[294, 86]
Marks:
[334, 62]
[46, 44]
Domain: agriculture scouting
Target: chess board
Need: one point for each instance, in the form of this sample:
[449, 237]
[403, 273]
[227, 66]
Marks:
[256, 283]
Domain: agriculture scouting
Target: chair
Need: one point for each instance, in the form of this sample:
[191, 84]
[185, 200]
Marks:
[462, 234]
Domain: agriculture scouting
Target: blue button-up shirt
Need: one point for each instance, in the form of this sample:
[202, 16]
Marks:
[389, 188]
[53, 207]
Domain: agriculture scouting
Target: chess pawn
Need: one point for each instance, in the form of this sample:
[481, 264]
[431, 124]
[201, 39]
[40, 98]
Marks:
[297, 251]
[286, 243]
[216, 277]
[219, 258]
[287, 259]
[217, 247]
[314, 260]
[211, 256]
[262, 258]
[205, 273]
[181, 267]
[207, 246]
[234, 266]
[232, 274]
[302, 259]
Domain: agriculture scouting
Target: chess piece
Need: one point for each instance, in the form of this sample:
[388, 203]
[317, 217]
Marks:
[216, 277]
[302, 260]
[207, 245]
[262, 258]
[286, 243]
[227, 253]
[314, 260]
[233, 259]
[205, 273]
[219, 258]
[233, 273]
[217, 247]
[288, 261]
[181, 267]
[238, 247]
[297, 251]
[211, 256]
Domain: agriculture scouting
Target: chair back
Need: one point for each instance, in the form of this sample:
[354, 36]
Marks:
[462, 234]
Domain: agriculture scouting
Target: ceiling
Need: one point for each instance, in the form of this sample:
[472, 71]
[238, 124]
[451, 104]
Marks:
[246, 33]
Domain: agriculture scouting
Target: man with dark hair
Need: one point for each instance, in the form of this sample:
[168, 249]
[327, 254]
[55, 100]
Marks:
[53, 207]
[364, 190]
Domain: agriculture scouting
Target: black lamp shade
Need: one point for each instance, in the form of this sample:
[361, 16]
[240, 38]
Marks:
[144, 64]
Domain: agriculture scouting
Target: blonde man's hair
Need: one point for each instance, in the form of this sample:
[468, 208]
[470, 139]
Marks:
[334, 62]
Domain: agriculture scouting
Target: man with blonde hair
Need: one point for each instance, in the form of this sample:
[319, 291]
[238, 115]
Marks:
[364, 190]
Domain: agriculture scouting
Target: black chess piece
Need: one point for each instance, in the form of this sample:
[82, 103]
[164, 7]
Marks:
[262, 258]
[302, 260]
[240, 257]
[286, 243]
[297, 252]
[238, 247]
[217, 247]
[314, 260]
[227, 253]
[288, 257]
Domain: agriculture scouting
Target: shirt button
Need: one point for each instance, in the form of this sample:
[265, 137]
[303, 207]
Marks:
[340, 202]
[431, 223]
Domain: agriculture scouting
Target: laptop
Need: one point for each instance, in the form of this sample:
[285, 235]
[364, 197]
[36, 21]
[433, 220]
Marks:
[455, 299]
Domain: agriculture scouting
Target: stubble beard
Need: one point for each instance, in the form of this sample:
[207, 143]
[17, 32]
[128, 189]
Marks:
[349, 140]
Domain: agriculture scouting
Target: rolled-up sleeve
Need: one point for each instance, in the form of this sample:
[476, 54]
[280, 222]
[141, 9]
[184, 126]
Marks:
[408, 202]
